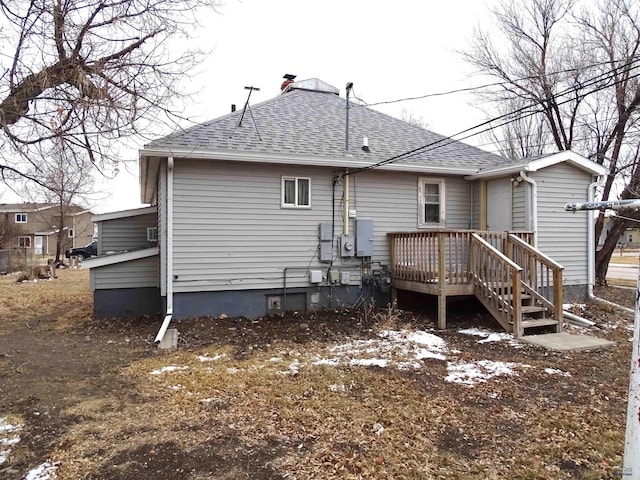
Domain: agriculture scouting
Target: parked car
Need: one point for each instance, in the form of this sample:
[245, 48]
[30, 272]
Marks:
[81, 253]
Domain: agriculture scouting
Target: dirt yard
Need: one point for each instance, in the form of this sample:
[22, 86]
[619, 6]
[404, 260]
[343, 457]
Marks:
[336, 394]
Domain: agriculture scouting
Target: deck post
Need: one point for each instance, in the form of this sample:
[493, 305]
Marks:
[442, 298]
[442, 312]
[557, 298]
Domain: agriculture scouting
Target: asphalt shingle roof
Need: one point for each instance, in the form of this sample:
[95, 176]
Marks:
[309, 123]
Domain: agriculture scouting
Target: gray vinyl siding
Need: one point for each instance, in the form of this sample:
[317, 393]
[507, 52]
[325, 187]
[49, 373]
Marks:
[563, 235]
[230, 232]
[476, 202]
[391, 200]
[520, 218]
[128, 233]
[139, 273]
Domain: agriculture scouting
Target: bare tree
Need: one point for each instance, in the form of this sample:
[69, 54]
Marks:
[9, 230]
[106, 69]
[579, 68]
[410, 117]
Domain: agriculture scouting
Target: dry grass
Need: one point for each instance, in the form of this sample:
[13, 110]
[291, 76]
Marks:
[341, 421]
[66, 298]
[624, 260]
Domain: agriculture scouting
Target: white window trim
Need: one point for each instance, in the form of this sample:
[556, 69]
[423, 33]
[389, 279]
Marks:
[292, 205]
[25, 236]
[441, 189]
[71, 233]
[20, 215]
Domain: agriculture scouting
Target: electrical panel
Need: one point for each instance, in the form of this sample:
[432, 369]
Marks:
[364, 237]
[325, 232]
[347, 246]
[326, 251]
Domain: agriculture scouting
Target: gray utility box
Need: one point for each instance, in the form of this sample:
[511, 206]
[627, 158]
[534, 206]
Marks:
[364, 237]
[347, 246]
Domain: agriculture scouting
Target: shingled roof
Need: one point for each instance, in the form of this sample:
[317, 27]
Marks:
[310, 123]
[305, 125]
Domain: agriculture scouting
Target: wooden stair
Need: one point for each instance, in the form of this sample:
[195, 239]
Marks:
[519, 274]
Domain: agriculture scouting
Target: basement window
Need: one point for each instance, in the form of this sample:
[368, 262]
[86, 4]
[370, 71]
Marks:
[296, 192]
[431, 206]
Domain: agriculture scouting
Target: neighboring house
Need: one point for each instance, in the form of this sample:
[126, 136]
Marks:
[263, 211]
[36, 225]
[630, 238]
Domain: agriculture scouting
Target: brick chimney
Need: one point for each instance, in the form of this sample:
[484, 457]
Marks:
[288, 80]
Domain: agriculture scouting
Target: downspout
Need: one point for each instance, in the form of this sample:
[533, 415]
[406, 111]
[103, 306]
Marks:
[346, 202]
[169, 245]
[534, 205]
[591, 250]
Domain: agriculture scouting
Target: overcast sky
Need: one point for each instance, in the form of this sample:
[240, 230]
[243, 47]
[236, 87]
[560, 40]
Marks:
[388, 49]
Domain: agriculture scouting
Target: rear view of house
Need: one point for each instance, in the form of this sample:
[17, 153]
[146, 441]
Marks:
[273, 209]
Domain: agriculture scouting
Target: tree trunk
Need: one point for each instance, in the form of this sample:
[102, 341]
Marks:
[604, 254]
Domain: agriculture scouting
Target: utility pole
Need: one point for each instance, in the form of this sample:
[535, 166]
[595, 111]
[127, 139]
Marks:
[631, 462]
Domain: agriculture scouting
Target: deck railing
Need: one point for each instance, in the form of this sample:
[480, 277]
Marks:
[499, 267]
[440, 256]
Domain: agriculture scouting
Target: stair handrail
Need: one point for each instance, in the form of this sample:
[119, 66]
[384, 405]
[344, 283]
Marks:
[557, 270]
[548, 260]
[514, 315]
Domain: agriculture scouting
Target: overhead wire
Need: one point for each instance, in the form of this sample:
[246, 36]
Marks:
[604, 77]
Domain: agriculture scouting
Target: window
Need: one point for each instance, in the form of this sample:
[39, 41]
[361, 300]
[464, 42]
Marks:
[21, 218]
[71, 233]
[152, 234]
[296, 192]
[431, 206]
[24, 242]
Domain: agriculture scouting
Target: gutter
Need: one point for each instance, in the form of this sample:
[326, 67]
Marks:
[534, 205]
[169, 243]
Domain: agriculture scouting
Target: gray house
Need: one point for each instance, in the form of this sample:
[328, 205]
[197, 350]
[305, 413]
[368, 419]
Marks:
[271, 209]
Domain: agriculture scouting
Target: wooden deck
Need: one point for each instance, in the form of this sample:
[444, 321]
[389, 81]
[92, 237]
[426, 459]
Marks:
[519, 285]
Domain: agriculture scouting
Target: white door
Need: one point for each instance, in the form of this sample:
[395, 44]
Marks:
[37, 245]
[499, 205]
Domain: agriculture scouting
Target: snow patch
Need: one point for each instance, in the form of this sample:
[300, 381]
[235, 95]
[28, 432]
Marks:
[555, 371]
[471, 374]
[489, 336]
[8, 438]
[205, 358]
[45, 471]
[168, 368]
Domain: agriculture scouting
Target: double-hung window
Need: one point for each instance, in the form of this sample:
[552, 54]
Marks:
[431, 206]
[21, 218]
[296, 192]
[24, 242]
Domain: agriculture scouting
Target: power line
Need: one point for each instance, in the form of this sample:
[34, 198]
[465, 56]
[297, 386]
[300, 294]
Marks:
[480, 87]
[604, 77]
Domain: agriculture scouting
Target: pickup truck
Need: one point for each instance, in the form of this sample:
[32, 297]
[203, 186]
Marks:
[81, 253]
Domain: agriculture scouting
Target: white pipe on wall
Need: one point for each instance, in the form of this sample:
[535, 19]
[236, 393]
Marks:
[169, 246]
[534, 205]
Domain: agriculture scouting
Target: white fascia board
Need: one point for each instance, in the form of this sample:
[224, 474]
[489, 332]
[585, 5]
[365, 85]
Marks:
[123, 214]
[571, 157]
[105, 260]
[568, 156]
[300, 161]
